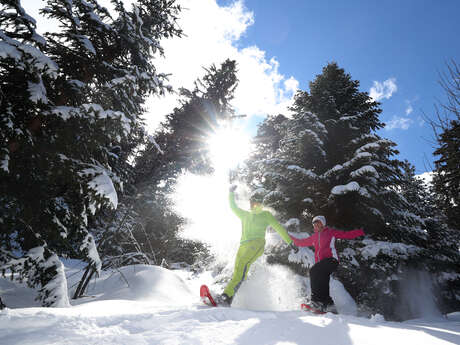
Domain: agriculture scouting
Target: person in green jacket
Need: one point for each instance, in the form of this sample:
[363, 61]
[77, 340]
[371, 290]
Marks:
[252, 243]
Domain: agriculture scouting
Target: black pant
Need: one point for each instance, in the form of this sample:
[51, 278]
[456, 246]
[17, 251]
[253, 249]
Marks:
[320, 274]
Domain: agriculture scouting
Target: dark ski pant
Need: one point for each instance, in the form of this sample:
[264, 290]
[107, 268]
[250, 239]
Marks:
[320, 275]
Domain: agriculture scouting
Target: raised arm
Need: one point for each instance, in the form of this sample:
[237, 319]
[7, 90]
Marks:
[279, 228]
[238, 211]
[303, 242]
[348, 235]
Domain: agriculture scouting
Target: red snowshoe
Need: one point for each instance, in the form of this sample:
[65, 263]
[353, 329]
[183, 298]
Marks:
[311, 309]
[206, 296]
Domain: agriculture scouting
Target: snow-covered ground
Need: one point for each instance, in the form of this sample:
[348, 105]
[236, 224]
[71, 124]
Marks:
[153, 305]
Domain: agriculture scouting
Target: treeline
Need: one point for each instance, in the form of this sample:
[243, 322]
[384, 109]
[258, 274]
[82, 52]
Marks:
[81, 178]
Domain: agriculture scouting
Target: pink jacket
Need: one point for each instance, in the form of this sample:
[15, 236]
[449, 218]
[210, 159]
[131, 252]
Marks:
[324, 241]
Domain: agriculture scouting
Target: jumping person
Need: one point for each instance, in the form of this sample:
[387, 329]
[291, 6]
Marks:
[252, 243]
[326, 260]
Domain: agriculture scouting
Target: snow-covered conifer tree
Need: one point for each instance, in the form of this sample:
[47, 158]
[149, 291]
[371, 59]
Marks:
[72, 107]
[146, 221]
[447, 178]
[328, 159]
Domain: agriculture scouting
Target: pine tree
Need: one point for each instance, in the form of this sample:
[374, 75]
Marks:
[72, 107]
[178, 146]
[330, 153]
[327, 159]
[447, 178]
[444, 223]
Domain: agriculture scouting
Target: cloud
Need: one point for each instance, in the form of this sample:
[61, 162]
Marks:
[383, 90]
[421, 121]
[409, 108]
[212, 35]
[399, 123]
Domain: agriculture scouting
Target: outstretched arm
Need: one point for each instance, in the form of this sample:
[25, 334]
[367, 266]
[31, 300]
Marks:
[348, 235]
[279, 228]
[304, 242]
[238, 211]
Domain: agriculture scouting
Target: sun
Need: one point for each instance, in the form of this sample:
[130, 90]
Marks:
[228, 147]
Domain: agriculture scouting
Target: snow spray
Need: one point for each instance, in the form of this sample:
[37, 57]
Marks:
[269, 287]
[203, 201]
[416, 294]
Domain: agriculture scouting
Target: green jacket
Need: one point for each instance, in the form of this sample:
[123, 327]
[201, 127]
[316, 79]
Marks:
[256, 221]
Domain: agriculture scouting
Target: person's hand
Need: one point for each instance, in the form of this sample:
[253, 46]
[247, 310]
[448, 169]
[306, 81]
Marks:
[294, 247]
[232, 188]
[232, 175]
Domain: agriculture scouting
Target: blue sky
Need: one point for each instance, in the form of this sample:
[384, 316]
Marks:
[407, 42]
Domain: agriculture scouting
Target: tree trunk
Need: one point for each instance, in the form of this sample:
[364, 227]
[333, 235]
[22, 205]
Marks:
[79, 290]
[2, 305]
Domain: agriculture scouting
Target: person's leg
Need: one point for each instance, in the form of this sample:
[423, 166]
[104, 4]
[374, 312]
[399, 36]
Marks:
[247, 253]
[330, 265]
[320, 275]
[315, 282]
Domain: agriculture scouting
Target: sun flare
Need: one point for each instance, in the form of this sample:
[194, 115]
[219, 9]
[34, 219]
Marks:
[228, 147]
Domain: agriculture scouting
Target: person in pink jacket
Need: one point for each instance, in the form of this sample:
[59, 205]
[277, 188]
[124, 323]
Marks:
[326, 260]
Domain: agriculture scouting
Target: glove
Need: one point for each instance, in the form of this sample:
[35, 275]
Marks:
[231, 175]
[232, 188]
[294, 247]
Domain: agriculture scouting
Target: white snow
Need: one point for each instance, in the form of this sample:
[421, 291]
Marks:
[102, 184]
[151, 140]
[4, 163]
[90, 245]
[64, 112]
[292, 222]
[373, 146]
[57, 286]
[367, 169]
[373, 248]
[63, 231]
[426, 177]
[86, 43]
[9, 51]
[303, 171]
[37, 92]
[152, 305]
[343, 189]
[97, 111]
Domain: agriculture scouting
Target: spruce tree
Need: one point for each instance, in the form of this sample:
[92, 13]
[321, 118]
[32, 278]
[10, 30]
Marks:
[328, 159]
[72, 107]
[447, 177]
[146, 218]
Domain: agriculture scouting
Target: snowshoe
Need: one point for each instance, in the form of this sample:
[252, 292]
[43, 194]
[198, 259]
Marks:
[206, 296]
[312, 308]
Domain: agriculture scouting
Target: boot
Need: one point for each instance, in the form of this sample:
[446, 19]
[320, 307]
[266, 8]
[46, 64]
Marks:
[223, 300]
[318, 306]
[331, 308]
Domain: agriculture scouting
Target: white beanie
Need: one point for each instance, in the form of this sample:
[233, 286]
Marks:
[322, 219]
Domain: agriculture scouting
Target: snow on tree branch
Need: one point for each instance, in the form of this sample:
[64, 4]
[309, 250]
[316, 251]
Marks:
[101, 184]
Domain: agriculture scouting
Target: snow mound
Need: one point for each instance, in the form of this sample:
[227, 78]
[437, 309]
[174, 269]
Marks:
[17, 295]
[142, 283]
[155, 306]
